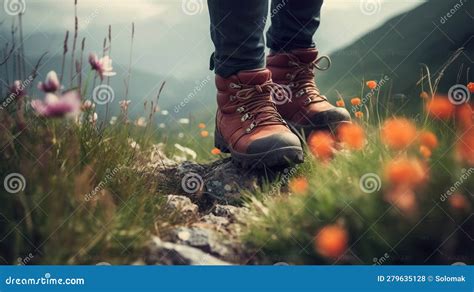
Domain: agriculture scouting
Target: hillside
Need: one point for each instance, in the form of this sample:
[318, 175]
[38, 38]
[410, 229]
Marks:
[396, 49]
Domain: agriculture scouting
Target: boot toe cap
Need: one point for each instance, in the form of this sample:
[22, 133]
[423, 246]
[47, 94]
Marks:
[330, 117]
[274, 143]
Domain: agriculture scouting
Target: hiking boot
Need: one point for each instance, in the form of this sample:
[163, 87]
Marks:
[248, 125]
[304, 107]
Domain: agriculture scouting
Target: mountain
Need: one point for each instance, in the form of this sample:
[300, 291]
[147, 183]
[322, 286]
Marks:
[428, 34]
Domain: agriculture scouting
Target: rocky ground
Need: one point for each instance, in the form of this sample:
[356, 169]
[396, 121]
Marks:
[207, 198]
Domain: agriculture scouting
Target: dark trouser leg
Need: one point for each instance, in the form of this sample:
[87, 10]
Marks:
[237, 32]
[294, 23]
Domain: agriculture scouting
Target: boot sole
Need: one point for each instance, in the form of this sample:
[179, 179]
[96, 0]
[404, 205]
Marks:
[280, 157]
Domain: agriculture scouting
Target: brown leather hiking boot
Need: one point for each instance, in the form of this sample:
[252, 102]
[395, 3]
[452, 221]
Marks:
[304, 108]
[248, 124]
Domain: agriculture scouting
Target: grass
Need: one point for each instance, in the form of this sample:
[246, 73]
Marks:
[78, 198]
[430, 229]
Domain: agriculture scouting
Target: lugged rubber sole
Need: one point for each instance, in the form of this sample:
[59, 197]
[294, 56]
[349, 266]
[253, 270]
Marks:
[275, 158]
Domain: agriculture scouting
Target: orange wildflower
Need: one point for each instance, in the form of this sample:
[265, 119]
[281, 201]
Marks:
[371, 84]
[440, 108]
[458, 202]
[425, 151]
[424, 95]
[352, 135]
[340, 103]
[465, 115]
[470, 86]
[428, 139]
[356, 101]
[403, 198]
[466, 146]
[215, 151]
[202, 125]
[331, 241]
[299, 185]
[321, 145]
[406, 172]
[204, 134]
[359, 115]
[398, 133]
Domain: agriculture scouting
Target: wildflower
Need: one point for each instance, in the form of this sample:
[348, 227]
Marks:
[465, 115]
[53, 105]
[352, 135]
[321, 145]
[405, 172]
[164, 112]
[359, 115]
[356, 101]
[470, 86]
[428, 139]
[183, 121]
[87, 105]
[204, 134]
[93, 118]
[113, 120]
[371, 84]
[424, 95]
[140, 122]
[398, 133]
[133, 144]
[331, 241]
[459, 202]
[340, 103]
[103, 66]
[202, 126]
[18, 89]
[215, 151]
[51, 83]
[124, 105]
[465, 146]
[440, 108]
[425, 151]
[299, 185]
[162, 125]
[403, 198]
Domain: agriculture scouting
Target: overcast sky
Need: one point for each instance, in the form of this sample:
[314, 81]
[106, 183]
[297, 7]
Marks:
[172, 35]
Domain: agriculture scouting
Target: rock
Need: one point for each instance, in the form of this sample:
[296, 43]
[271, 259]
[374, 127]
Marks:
[201, 238]
[181, 204]
[216, 221]
[167, 253]
[221, 181]
[228, 211]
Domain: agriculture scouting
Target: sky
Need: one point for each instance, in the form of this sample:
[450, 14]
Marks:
[172, 36]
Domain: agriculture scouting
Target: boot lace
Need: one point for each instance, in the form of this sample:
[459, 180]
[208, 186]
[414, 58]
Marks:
[302, 79]
[254, 103]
